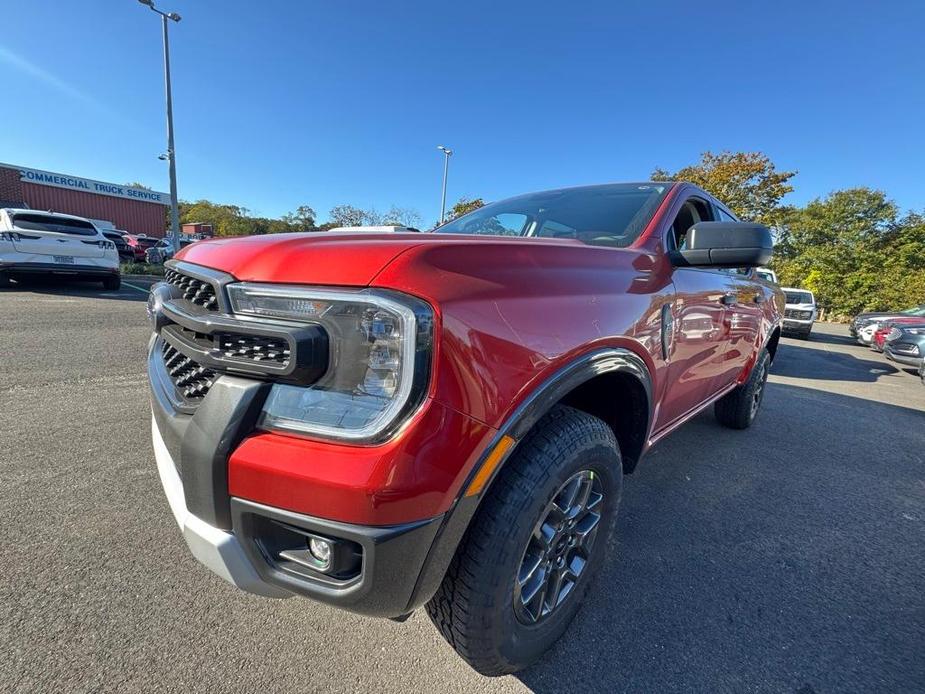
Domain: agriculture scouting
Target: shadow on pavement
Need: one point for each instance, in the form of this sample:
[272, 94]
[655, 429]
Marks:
[797, 361]
[829, 338]
[762, 560]
[84, 288]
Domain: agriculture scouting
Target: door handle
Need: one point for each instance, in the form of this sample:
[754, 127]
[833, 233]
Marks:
[728, 299]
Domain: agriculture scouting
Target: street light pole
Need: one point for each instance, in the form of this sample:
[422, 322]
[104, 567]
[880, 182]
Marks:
[171, 155]
[447, 153]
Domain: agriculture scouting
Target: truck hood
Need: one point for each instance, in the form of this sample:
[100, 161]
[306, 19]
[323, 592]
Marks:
[334, 257]
[302, 258]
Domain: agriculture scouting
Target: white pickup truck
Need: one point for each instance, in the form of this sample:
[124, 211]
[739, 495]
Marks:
[799, 312]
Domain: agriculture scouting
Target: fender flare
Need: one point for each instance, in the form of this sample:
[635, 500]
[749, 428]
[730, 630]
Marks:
[456, 520]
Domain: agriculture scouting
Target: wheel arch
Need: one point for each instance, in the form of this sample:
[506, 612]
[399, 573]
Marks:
[771, 344]
[588, 384]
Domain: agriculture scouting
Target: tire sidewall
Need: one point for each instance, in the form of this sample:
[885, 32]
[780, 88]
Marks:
[522, 643]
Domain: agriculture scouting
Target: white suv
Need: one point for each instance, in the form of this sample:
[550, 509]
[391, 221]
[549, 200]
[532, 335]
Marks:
[44, 243]
[800, 312]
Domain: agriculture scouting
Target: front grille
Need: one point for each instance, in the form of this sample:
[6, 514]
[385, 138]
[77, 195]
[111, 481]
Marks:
[795, 313]
[253, 348]
[905, 348]
[194, 290]
[191, 379]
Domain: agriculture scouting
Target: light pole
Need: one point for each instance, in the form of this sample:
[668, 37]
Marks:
[447, 153]
[171, 154]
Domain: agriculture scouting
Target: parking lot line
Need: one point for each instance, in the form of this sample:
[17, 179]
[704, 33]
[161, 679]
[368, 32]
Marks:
[140, 289]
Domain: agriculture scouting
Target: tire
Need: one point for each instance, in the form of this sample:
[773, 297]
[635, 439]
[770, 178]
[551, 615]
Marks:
[112, 283]
[738, 408]
[806, 335]
[5, 280]
[488, 621]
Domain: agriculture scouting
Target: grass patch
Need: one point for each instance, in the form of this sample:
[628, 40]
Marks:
[142, 269]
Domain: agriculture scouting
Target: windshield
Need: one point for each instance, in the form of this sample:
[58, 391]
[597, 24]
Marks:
[607, 215]
[917, 311]
[799, 297]
[765, 275]
[61, 225]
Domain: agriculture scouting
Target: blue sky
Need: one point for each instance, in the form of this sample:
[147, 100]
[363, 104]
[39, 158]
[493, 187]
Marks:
[283, 103]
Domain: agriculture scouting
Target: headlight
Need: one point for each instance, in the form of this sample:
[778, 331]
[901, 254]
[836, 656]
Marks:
[806, 315]
[380, 348]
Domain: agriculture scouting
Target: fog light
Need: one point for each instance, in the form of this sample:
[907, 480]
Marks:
[321, 550]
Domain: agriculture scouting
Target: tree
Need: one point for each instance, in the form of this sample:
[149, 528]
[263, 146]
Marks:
[853, 251]
[226, 220]
[348, 216]
[464, 206]
[303, 218]
[747, 182]
[402, 216]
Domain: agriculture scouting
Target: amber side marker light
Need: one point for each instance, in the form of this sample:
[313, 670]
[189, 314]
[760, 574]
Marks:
[491, 462]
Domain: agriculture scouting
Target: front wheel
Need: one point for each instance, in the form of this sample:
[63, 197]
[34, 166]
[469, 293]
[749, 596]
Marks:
[519, 575]
[738, 408]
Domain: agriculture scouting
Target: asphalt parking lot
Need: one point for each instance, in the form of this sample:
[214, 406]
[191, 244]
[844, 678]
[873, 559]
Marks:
[786, 558]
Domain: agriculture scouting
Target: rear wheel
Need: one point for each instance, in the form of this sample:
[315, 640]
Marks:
[112, 283]
[519, 575]
[738, 409]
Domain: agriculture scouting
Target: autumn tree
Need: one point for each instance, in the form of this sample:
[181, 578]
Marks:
[748, 182]
[854, 251]
[464, 206]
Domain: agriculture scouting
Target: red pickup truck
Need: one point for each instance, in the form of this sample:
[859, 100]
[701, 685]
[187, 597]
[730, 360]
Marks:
[387, 421]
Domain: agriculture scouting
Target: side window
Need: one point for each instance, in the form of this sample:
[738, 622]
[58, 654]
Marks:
[724, 216]
[555, 230]
[692, 211]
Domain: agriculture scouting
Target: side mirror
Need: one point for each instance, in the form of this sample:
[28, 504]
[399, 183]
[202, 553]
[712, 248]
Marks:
[725, 244]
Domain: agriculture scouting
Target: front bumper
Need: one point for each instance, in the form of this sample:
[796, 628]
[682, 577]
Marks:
[907, 359]
[795, 325]
[394, 560]
[218, 550]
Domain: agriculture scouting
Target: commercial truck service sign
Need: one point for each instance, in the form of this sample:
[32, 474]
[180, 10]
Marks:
[47, 178]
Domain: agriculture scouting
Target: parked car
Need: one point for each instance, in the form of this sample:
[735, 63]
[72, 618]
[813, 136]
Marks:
[865, 320]
[126, 254]
[386, 421]
[799, 312]
[887, 330]
[906, 344]
[164, 250]
[139, 244]
[34, 243]
[766, 274]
